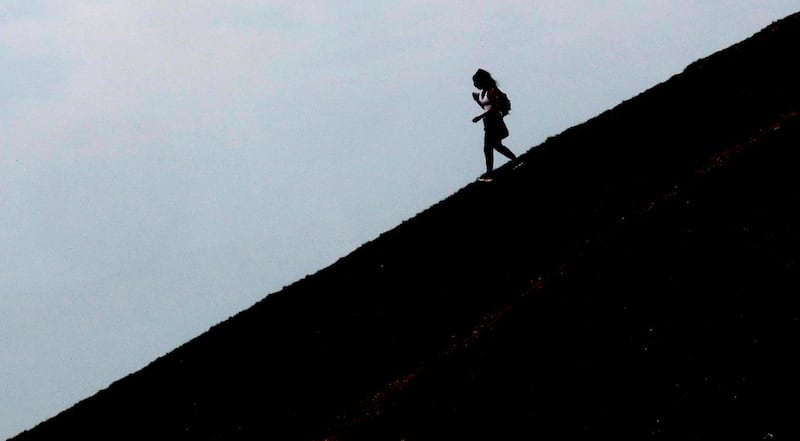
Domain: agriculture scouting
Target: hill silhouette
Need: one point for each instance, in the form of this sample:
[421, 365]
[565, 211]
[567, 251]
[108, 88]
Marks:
[635, 278]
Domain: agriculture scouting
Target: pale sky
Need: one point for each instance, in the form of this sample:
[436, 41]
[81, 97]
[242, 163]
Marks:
[166, 164]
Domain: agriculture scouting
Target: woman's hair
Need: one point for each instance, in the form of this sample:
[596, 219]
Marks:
[484, 78]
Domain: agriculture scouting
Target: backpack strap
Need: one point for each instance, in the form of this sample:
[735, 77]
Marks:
[494, 94]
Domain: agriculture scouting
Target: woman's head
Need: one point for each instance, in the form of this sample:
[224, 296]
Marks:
[483, 80]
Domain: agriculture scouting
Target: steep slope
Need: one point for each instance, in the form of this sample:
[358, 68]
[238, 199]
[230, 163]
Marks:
[636, 278]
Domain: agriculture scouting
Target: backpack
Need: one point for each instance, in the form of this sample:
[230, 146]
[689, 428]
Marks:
[502, 102]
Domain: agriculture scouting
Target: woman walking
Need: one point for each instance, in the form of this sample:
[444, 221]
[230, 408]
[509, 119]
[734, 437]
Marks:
[492, 100]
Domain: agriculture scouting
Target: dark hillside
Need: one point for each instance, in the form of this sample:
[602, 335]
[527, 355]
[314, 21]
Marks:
[636, 278]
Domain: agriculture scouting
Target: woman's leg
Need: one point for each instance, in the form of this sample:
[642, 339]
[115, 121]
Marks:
[505, 151]
[488, 152]
[491, 142]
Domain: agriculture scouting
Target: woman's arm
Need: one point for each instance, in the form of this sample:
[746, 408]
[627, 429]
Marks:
[491, 93]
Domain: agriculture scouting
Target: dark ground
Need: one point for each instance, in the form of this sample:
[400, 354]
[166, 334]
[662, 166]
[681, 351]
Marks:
[636, 278]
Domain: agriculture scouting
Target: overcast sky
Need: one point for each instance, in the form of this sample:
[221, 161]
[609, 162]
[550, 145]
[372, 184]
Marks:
[166, 164]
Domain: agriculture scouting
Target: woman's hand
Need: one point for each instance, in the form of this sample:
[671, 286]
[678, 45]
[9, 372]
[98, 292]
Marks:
[477, 118]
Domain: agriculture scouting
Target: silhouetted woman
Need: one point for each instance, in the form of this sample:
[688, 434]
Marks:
[494, 127]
